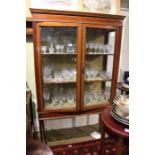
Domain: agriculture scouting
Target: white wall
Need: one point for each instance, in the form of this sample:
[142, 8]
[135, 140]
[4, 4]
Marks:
[30, 72]
[124, 57]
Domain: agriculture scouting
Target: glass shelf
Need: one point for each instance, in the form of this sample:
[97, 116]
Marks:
[99, 53]
[59, 105]
[97, 80]
[59, 82]
[48, 54]
[73, 81]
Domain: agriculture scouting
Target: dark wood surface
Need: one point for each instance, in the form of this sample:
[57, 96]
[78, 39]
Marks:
[113, 125]
[36, 147]
[115, 130]
[76, 13]
[29, 29]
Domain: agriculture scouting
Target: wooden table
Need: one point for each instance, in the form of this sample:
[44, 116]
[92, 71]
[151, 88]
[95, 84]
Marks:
[36, 147]
[116, 129]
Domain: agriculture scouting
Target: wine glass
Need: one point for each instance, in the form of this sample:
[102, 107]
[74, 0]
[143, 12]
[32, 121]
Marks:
[46, 95]
[43, 48]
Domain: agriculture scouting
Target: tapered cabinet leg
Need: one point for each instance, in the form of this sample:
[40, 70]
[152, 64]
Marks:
[41, 130]
[103, 140]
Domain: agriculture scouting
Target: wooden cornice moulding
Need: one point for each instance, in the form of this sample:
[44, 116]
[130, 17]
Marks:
[77, 13]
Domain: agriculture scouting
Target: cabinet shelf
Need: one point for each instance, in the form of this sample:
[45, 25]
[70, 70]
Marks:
[99, 53]
[48, 54]
[59, 106]
[72, 81]
[59, 82]
[97, 80]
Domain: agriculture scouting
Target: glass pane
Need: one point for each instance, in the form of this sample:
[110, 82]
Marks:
[69, 129]
[100, 41]
[58, 40]
[98, 65]
[59, 59]
[97, 93]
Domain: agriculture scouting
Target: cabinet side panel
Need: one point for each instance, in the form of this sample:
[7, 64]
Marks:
[37, 66]
[116, 63]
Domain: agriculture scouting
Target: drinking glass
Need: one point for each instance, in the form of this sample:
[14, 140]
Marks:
[70, 99]
[58, 48]
[100, 48]
[107, 48]
[58, 75]
[55, 100]
[73, 74]
[86, 98]
[62, 48]
[96, 47]
[71, 48]
[51, 48]
[43, 49]
[47, 73]
[46, 95]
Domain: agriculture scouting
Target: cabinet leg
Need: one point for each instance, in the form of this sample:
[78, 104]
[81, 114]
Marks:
[42, 131]
[100, 123]
[45, 140]
[103, 140]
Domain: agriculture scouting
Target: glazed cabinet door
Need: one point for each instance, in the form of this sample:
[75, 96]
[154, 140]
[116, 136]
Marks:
[97, 65]
[57, 56]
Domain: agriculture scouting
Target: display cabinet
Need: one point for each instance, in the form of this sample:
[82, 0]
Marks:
[76, 61]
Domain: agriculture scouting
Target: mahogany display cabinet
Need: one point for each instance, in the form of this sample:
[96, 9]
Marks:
[76, 61]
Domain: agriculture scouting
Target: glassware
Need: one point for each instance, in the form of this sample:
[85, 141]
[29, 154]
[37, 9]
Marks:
[90, 47]
[51, 48]
[107, 48]
[105, 75]
[66, 74]
[107, 95]
[87, 47]
[61, 48]
[54, 100]
[93, 73]
[86, 98]
[91, 97]
[71, 48]
[101, 96]
[87, 73]
[73, 73]
[96, 47]
[60, 100]
[46, 95]
[43, 49]
[64, 98]
[58, 75]
[58, 48]
[70, 99]
[100, 48]
[47, 73]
